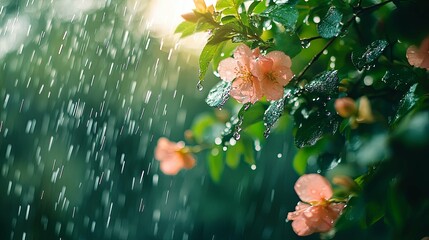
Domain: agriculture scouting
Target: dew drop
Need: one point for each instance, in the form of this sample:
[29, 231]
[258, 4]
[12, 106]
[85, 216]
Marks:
[305, 43]
[237, 135]
[200, 86]
[267, 132]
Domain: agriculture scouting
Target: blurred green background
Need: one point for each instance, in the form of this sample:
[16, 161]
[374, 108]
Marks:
[87, 88]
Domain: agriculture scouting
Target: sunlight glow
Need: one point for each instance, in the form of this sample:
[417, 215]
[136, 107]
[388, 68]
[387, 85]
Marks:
[165, 15]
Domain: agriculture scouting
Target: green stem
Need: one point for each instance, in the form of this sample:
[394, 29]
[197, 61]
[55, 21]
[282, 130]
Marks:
[198, 148]
[311, 38]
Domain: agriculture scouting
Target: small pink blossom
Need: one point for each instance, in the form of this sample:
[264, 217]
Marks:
[315, 213]
[254, 75]
[173, 156]
[345, 107]
[273, 71]
[245, 86]
[419, 57]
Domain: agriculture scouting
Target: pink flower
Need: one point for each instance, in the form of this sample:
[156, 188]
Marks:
[173, 156]
[345, 107]
[254, 75]
[245, 86]
[273, 70]
[419, 57]
[316, 213]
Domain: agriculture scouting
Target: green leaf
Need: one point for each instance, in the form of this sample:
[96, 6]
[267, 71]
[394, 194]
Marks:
[226, 51]
[325, 84]
[233, 154]
[407, 103]
[186, 28]
[219, 94]
[228, 19]
[205, 128]
[249, 154]
[273, 113]
[373, 150]
[285, 14]
[257, 7]
[364, 59]
[373, 213]
[303, 154]
[203, 26]
[228, 6]
[223, 4]
[287, 43]
[206, 57]
[215, 164]
[313, 128]
[330, 25]
[299, 162]
[414, 133]
[253, 115]
[245, 19]
[248, 115]
[399, 78]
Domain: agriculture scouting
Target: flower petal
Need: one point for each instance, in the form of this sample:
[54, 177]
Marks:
[279, 59]
[425, 62]
[313, 187]
[302, 222]
[228, 69]
[244, 90]
[173, 156]
[164, 149]
[272, 90]
[301, 228]
[243, 54]
[171, 166]
[414, 56]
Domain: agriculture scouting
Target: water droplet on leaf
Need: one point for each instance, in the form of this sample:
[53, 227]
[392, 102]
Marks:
[200, 86]
[305, 43]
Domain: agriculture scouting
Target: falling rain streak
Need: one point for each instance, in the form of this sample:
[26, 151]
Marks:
[87, 88]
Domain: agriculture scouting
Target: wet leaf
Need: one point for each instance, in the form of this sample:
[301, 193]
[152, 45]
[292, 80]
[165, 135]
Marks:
[285, 14]
[233, 154]
[287, 43]
[205, 128]
[325, 84]
[249, 152]
[372, 150]
[367, 57]
[315, 127]
[330, 25]
[407, 103]
[206, 57]
[219, 94]
[272, 114]
[215, 164]
[299, 162]
[399, 78]
[253, 114]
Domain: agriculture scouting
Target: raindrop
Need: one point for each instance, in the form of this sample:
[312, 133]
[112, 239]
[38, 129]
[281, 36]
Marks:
[305, 43]
[200, 86]
[237, 135]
